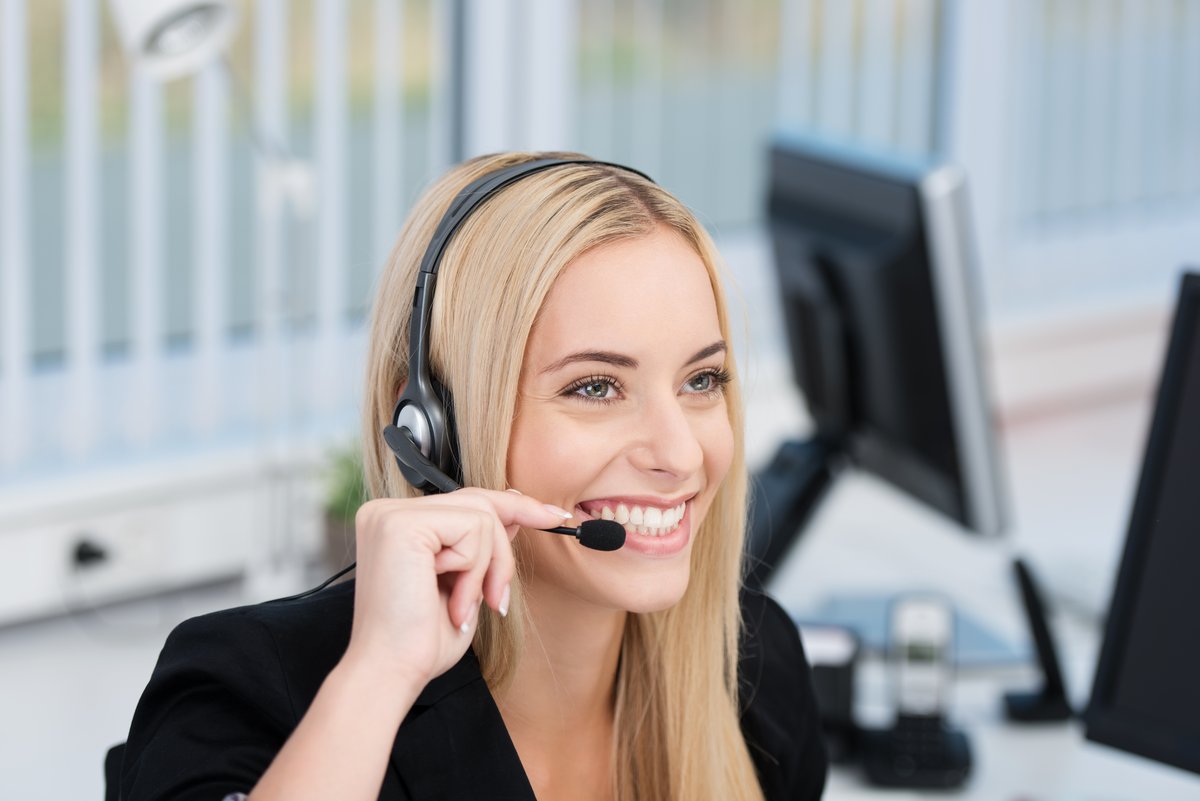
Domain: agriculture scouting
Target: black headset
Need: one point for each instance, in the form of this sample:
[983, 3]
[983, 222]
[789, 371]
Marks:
[422, 435]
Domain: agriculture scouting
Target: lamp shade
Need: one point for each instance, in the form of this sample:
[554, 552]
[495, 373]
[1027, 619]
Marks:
[173, 38]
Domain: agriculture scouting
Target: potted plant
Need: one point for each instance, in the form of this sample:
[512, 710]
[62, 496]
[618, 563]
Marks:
[346, 491]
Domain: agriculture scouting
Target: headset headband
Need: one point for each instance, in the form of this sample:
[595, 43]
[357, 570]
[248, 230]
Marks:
[482, 188]
[425, 409]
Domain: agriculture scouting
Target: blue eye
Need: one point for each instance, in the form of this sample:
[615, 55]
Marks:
[708, 382]
[594, 388]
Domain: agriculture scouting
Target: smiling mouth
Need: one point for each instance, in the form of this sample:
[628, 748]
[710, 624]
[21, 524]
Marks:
[650, 521]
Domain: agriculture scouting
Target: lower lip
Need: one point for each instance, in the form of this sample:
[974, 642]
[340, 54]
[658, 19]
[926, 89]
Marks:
[663, 546]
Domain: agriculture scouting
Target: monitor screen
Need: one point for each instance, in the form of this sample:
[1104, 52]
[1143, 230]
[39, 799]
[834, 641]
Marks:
[1146, 694]
[876, 270]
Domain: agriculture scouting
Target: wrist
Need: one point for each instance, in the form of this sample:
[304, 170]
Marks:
[383, 684]
[340, 747]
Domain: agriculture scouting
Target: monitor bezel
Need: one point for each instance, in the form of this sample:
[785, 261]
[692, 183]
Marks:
[953, 255]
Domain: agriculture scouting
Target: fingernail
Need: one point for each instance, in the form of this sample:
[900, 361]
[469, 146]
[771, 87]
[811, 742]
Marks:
[471, 615]
[513, 490]
[504, 599]
[563, 513]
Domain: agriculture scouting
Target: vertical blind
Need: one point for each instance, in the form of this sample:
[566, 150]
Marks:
[188, 265]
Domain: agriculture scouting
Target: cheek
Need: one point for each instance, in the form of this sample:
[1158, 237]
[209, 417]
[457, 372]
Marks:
[718, 449]
[718, 443]
[547, 456]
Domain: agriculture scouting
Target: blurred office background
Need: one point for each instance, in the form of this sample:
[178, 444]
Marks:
[185, 266]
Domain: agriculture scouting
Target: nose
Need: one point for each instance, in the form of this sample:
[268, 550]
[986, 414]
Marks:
[668, 441]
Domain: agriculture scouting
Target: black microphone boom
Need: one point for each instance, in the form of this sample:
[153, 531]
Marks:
[401, 443]
[599, 535]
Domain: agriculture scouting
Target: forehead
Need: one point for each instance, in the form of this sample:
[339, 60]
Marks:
[634, 296]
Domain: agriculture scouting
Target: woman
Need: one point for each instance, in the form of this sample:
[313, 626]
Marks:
[580, 328]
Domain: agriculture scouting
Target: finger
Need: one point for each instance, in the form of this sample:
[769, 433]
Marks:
[460, 542]
[449, 560]
[500, 571]
[468, 589]
[514, 509]
[461, 616]
[455, 531]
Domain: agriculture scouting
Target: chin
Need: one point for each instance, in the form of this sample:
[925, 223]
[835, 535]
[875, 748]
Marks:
[654, 595]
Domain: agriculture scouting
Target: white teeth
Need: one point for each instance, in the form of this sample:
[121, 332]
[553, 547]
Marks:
[648, 520]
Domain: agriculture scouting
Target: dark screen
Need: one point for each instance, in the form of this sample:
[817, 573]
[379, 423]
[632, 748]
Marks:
[1146, 697]
[856, 281]
[1158, 677]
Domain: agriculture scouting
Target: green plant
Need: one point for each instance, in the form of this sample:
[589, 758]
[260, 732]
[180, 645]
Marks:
[346, 490]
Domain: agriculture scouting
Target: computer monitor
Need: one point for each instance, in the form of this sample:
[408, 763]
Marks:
[876, 268]
[1146, 693]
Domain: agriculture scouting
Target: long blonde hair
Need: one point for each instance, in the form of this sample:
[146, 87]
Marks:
[676, 719]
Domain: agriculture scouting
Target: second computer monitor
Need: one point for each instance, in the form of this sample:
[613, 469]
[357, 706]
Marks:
[875, 261]
[1146, 693]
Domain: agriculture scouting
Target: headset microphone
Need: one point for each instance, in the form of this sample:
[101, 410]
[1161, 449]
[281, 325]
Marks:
[599, 535]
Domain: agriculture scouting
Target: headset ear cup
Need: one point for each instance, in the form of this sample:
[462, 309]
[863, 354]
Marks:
[450, 463]
[410, 416]
[426, 412]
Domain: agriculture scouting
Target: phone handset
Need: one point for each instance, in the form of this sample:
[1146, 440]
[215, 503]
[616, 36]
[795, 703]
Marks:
[921, 749]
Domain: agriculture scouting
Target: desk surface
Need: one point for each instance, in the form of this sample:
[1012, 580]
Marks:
[1051, 762]
[1072, 480]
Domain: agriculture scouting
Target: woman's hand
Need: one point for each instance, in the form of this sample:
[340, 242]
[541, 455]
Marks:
[424, 566]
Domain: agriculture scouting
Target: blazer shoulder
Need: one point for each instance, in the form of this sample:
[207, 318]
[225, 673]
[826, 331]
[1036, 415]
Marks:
[269, 652]
[771, 658]
[780, 718]
[309, 635]
[228, 689]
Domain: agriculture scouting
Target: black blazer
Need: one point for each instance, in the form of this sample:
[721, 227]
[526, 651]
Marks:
[229, 688]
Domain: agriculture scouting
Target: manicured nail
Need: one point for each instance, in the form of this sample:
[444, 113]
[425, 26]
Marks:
[563, 513]
[504, 599]
[513, 490]
[466, 624]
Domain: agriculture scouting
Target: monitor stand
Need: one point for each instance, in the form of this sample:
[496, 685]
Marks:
[783, 497]
[1050, 703]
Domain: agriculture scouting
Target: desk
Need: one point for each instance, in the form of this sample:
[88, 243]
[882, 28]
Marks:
[1051, 762]
[1072, 479]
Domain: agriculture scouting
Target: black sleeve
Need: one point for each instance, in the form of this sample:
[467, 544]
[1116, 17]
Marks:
[780, 719]
[214, 715]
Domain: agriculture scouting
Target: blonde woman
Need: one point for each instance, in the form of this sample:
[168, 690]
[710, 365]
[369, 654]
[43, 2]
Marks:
[580, 332]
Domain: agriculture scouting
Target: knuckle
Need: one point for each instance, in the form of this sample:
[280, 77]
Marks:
[367, 514]
[469, 495]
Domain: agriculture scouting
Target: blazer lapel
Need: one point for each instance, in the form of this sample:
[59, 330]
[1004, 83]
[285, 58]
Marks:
[454, 745]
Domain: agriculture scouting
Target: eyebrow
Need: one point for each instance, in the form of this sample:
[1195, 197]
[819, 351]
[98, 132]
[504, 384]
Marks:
[628, 362]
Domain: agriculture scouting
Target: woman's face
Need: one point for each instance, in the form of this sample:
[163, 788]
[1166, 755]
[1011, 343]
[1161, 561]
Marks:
[622, 414]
